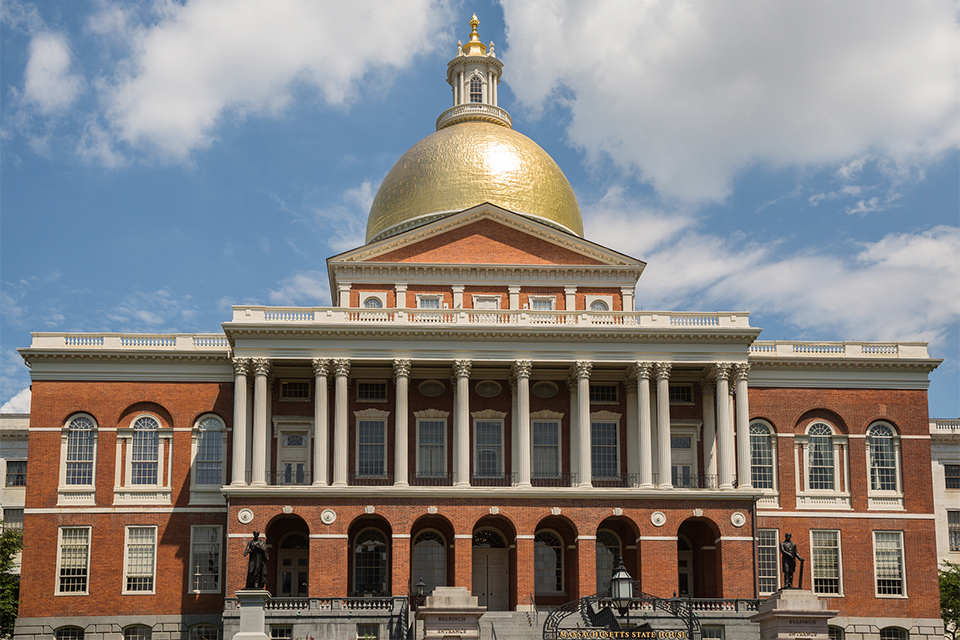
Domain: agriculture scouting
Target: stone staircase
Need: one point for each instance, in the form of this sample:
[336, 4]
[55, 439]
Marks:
[511, 625]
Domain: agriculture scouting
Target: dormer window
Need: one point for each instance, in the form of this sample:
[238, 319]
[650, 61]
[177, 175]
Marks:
[476, 89]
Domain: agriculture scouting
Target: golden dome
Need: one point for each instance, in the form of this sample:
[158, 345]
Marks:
[467, 164]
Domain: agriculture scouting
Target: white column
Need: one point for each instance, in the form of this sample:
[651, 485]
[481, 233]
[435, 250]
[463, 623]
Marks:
[343, 294]
[574, 431]
[458, 296]
[460, 87]
[742, 371]
[514, 291]
[582, 372]
[627, 294]
[708, 393]
[321, 428]
[645, 435]
[521, 369]
[261, 367]
[570, 298]
[400, 295]
[240, 444]
[401, 374]
[461, 369]
[663, 423]
[248, 458]
[633, 428]
[341, 369]
[725, 459]
[514, 426]
[654, 447]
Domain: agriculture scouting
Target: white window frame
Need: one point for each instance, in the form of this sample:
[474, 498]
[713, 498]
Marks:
[421, 297]
[125, 491]
[563, 564]
[386, 390]
[550, 300]
[771, 497]
[605, 416]
[839, 497]
[488, 416]
[207, 493]
[953, 548]
[776, 561]
[557, 420]
[487, 297]
[431, 415]
[589, 299]
[283, 398]
[6, 472]
[293, 426]
[126, 560]
[881, 499]
[840, 592]
[371, 415]
[56, 576]
[903, 568]
[190, 574]
[375, 295]
[77, 494]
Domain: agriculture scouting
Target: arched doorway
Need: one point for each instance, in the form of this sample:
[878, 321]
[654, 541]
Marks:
[698, 559]
[684, 567]
[293, 565]
[491, 569]
[429, 560]
[369, 557]
[616, 538]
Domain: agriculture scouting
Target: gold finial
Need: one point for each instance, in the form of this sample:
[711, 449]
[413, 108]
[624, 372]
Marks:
[474, 23]
[474, 47]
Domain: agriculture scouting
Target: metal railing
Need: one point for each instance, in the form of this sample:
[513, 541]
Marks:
[288, 478]
[494, 480]
[372, 480]
[554, 480]
[432, 480]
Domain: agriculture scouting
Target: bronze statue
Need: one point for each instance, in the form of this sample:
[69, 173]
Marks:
[257, 565]
[789, 557]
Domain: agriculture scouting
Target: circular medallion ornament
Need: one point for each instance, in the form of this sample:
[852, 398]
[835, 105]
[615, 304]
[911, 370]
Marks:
[738, 519]
[658, 519]
[328, 516]
[245, 516]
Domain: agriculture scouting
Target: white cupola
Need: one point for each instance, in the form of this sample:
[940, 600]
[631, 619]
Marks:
[473, 76]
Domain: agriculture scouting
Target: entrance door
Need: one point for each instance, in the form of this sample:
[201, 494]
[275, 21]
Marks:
[293, 562]
[684, 568]
[491, 578]
[292, 459]
[681, 461]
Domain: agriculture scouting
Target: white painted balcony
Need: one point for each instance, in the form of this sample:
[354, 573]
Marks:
[944, 427]
[474, 111]
[208, 342]
[794, 349]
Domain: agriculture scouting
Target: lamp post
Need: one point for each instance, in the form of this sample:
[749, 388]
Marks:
[420, 586]
[621, 588]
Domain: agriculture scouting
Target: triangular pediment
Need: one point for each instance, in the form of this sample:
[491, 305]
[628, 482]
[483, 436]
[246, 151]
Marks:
[487, 235]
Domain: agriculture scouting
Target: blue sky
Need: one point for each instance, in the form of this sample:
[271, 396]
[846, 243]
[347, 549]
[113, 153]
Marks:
[164, 160]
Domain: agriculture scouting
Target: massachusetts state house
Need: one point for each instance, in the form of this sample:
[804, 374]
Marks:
[481, 406]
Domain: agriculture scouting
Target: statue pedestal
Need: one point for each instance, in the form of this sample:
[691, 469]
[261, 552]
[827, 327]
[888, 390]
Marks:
[252, 617]
[451, 612]
[793, 614]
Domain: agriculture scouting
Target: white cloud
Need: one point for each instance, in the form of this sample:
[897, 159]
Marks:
[308, 288]
[48, 81]
[19, 403]
[685, 94]
[206, 60]
[156, 311]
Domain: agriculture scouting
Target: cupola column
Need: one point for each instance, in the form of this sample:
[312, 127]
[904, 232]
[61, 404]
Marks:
[261, 368]
[521, 369]
[582, 371]
[321, 428]
[645, 439]
[341, 369]
[725, 468]
[461, 370]
[401, 373]
[742, 373]
[239, 469]
[663, 423]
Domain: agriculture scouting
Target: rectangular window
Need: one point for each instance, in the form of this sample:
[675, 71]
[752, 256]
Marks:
[825, 546]
[74, 560]
[428, 302]
[205, 559]
[371, 449]
[546, 448]
[16, 473]
[768, 562]
[140, 559]
[603, 393]
[371, 391]
[951, 474]
[13, 518]
[486, 302]
[681, 394]
[295, 390]
[888, 562]
[431, 448]
[712, 633]
[953, 529]
[368, 631]
[541, 304]
[603, 450]
[489, 450]
[281, 632]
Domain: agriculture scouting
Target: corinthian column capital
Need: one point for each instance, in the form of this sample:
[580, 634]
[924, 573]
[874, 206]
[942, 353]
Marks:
[582, 369]
[261, 366]
[241, 366]
[708, 386]
[663, 370]
[401, 368]
[741, 371]
[722, 370]
[461, 368]
[522, 368]
[642, 370]
[321, 367]
[341, 367]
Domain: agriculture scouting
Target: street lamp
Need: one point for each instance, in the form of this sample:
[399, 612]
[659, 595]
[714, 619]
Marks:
[420, 588]
[621, 588]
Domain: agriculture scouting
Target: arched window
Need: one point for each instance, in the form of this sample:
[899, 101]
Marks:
[547, 563]
[80, 453]
[208, 457]
[476, 89]
[820, 457]
[599, 305]
[372, 303]
[204, 632]
[146, 451]
[761, 456]
[608, 553]
[429, 561]
[894, 633]
[370, 562]
[883, 458]
[138, 632]
[69, 633]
